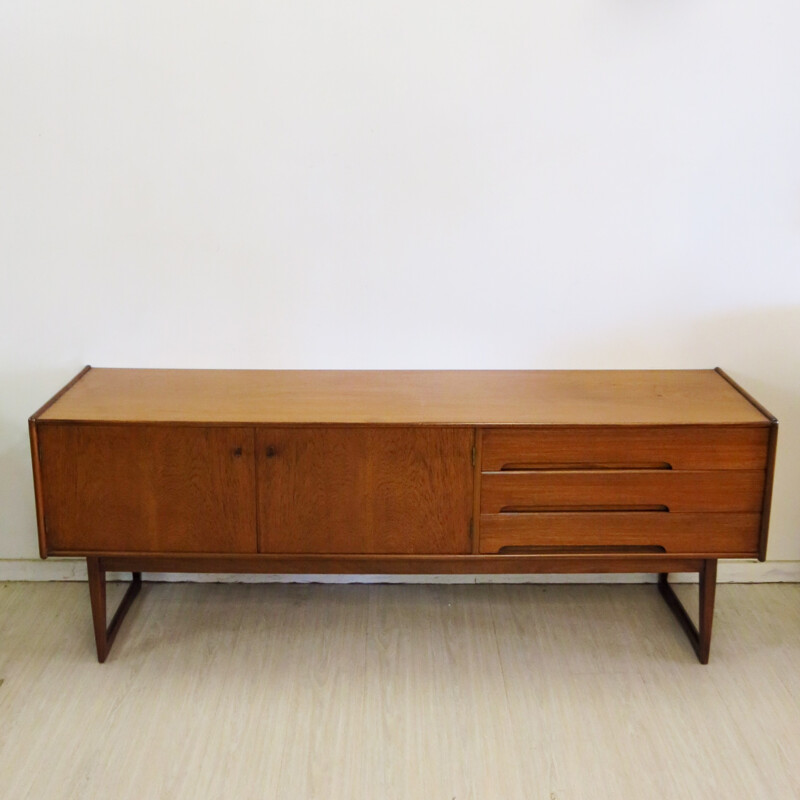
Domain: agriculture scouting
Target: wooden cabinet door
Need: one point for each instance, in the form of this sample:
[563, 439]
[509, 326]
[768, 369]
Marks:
[148, 488]
[364, 490]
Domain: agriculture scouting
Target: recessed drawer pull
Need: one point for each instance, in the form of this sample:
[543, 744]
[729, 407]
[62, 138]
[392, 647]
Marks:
[571, 467]
[585, 550]
[533, 509]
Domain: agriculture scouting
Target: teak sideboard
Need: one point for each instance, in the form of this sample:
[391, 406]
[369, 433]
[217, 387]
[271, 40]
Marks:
[403, 472]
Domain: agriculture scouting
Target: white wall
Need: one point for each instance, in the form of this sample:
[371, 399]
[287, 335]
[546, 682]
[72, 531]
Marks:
[404, 184]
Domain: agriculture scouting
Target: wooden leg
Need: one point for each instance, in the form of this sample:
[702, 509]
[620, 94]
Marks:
[708, 589]
[701, 640]
[104, 637]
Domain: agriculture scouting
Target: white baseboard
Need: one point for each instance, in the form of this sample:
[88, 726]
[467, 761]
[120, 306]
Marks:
[70, 569]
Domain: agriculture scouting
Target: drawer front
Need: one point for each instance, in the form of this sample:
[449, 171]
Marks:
[731, 535]
[677, 448]
[620, 490]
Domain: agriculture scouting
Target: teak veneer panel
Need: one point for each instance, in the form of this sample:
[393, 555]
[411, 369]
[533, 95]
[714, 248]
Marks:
[586, 447]
[401, 397]
[697, 490]
[364, 490]
[724, 535]
[148, 489]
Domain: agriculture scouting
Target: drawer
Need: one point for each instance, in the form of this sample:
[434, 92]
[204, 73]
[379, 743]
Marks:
[624, 447]
[713, 534]
[620, 490]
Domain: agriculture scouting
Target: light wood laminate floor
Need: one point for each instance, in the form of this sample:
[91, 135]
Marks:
[419, 692]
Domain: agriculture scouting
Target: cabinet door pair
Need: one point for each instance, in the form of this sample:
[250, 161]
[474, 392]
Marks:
[197, 489]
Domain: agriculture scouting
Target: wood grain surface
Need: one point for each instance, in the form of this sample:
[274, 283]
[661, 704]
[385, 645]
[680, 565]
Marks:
[730, 535]
[700, 490]
[583, 447]
[405, 565]
[364, 490]
[148, 489]
[602, 397]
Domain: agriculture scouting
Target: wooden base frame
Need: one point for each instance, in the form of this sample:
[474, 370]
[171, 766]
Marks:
[699, 638]
[104, 636]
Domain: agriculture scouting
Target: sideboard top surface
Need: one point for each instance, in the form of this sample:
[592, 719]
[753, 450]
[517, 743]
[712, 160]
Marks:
[398, 397]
